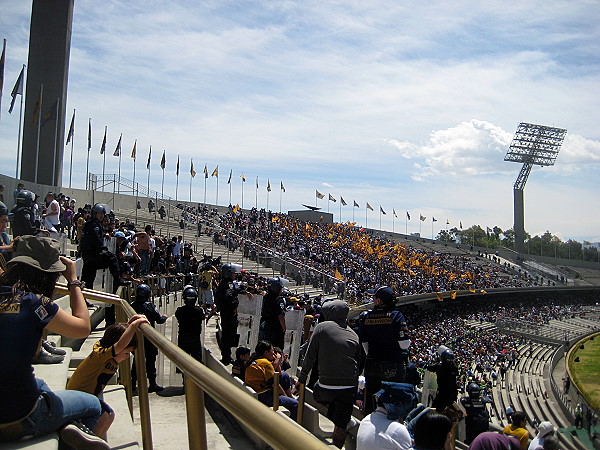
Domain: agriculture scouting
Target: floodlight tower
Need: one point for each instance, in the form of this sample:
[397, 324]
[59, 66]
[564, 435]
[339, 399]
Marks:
[532, 144]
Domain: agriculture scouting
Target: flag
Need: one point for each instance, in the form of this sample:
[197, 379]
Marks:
[268, 185]
[192, 171]
[17, 90]
[453, 295]
[229, 180]
[369, 206]
[118, 149]
[205, 171]
[381, 209]
[422, 217]
[488, 230]
[134, 150]
[103, 146]
[149, 156]
[282, 187]
[36, 109]
[2, 59]
[461, 225]
[433, 219]
[177, 167]
[89, 134]
[331, 199]
[51, 113]
[356, 205]
[439, 296]
[257, 182]
[342, 201]
[163, 161]
[215, 173]
[394, 212]
[319, 195]
[243, 178]
[71, 128]
[447, 221]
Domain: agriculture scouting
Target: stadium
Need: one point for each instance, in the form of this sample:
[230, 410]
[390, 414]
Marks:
[514, 316]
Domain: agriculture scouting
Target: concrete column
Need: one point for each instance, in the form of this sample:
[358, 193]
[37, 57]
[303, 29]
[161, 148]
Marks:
[519, 226]
[48, 64]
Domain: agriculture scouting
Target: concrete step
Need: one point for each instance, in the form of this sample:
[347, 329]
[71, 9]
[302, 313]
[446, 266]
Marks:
[121, 433]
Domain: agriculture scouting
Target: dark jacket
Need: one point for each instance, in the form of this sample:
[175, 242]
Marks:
[92, 241]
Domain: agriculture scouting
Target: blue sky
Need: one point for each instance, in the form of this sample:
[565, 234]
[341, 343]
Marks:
[408, 105]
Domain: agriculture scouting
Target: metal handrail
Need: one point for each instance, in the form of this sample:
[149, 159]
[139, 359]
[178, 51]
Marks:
[275, 429]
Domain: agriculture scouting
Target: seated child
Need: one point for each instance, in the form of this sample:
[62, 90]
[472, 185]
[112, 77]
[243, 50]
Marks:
[242, 356]
[97, 369]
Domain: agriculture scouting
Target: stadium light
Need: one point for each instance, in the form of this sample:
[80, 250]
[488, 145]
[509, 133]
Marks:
[532, 145]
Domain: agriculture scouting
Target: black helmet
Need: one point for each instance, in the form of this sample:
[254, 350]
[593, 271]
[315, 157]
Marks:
[473, 390]
[189, 295]
[385, 294]
[3, 209]
[143, 292]
[228, 270]
[447, 355]
[101, 208]
[25, 198]
[277, 284]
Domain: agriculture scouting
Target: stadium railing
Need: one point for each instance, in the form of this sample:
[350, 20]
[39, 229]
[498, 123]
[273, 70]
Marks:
[273, 428]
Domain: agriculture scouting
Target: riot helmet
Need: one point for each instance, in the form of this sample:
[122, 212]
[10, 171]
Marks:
[228, 270]
[277, 284]
[25, 198]
[386, 295]
[189, 295]
[100, 208]
[473, 390]
[142, 293]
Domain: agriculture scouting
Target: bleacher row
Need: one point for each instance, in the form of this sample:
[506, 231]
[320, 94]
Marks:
[527, 386]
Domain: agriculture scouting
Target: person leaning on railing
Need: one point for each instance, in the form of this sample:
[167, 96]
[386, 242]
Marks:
[28, 407]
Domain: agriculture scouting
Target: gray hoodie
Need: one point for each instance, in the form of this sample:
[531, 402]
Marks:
[334, 347]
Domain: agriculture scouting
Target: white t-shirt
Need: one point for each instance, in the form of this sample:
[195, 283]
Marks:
[53, 207]
[376, 431]
[177, 248]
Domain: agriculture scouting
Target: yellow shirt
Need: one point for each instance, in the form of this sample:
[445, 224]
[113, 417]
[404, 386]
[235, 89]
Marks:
[520, 433]
[95, 371]
[259, 375]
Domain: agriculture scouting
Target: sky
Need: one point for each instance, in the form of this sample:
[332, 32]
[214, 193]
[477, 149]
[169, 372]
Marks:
[407, 105]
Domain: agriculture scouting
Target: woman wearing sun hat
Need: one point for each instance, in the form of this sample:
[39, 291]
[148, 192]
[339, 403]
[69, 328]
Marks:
[28, 408]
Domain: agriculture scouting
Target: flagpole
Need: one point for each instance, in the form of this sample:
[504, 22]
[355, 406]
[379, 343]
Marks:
[379, 217]
[268, 192]
[135, 185]
[242, 193]
[280, 198]
[366, 216]
[340, 209]
[87, 164]
[406, 225]
[256, 194]
[353, 213]
[229, 183]
[217, 199]
[37, 148]
[393, 220]
[148, 187]
[205, 178]
[120, 152]
[104, 160]
[177, 181]
[72, 139]
[54, 180]
[20, 130]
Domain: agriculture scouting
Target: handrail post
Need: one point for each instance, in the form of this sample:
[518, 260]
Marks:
[196, 422]
[142, 380]
[275, 391]
[301, 393]
[125, 366]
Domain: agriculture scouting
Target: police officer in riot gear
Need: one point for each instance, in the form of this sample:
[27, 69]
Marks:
[190, 318]
[23, 222]
[478, 418]
[384, 336]
[227, 302]
[94, 252]
[142, 304]
[446, 371]
[272, 319]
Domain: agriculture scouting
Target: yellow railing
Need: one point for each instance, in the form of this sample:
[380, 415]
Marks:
[273, 428]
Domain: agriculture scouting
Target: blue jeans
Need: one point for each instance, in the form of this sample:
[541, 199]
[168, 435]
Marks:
[146, 261]
[54, 410]
[291, 404]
